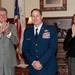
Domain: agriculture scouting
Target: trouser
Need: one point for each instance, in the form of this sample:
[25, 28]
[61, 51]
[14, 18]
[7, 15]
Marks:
[5, 70]
[71, 65]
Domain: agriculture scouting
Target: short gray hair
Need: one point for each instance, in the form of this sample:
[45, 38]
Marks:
[3, 9]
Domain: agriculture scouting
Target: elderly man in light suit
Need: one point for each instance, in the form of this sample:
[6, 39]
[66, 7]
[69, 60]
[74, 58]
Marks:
[8, 38]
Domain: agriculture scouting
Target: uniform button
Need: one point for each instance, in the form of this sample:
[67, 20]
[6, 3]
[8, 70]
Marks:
[36, 44]
[36, 50]
[37, 56]
[3, 54]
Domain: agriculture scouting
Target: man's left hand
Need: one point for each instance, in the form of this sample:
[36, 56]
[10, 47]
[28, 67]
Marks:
[6, 27]
[37, 65]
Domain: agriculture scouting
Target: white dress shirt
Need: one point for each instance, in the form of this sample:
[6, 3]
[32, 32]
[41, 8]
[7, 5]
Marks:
[39, 28]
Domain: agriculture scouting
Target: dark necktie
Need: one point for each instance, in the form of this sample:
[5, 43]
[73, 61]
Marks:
[36, 35]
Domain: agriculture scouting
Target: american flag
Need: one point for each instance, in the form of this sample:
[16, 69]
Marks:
[19, 30]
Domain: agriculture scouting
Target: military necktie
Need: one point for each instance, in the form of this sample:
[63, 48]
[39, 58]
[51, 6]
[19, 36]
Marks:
[36, 35]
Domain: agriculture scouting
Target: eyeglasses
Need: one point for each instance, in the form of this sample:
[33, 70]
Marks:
[3, 15]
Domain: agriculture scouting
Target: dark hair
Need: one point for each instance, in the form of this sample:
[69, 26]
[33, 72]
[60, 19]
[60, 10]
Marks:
[3, 9]
[36, 10]
[73, 19]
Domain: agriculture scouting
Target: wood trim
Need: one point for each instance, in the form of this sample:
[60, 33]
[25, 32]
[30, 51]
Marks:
[50, 7]
[10, 20]
[47, 19]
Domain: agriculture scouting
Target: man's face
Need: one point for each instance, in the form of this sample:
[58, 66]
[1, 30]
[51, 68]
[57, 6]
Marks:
[36, 17]
[3, 16]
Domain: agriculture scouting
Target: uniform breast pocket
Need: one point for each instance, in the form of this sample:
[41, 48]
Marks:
[46, 41]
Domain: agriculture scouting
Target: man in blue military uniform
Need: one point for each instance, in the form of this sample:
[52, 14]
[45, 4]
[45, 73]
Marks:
[39, 46]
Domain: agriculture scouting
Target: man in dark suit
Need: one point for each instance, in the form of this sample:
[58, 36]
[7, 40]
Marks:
[39, 46]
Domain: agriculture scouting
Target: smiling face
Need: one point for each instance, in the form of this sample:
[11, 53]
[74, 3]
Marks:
[3, 16]
[36, 17]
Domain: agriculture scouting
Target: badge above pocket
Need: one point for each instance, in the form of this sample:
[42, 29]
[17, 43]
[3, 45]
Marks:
[46, 34]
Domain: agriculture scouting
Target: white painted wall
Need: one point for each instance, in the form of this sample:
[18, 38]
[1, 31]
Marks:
[30, 4]
[9, 5]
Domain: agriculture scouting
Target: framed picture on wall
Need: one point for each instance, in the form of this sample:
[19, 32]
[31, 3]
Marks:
[53, 5]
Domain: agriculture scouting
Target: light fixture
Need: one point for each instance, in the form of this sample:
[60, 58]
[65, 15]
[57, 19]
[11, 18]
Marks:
[30, 20]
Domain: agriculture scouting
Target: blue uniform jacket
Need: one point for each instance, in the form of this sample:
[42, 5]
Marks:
[43, 49]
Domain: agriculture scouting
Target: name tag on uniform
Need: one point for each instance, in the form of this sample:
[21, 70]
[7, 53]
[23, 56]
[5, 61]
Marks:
[28, 39]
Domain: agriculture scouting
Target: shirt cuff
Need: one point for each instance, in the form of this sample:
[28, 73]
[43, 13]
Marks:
[33, 62]
[9, 35]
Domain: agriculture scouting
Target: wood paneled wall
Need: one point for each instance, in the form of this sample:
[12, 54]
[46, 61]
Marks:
[10, 20]
[48, 20]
